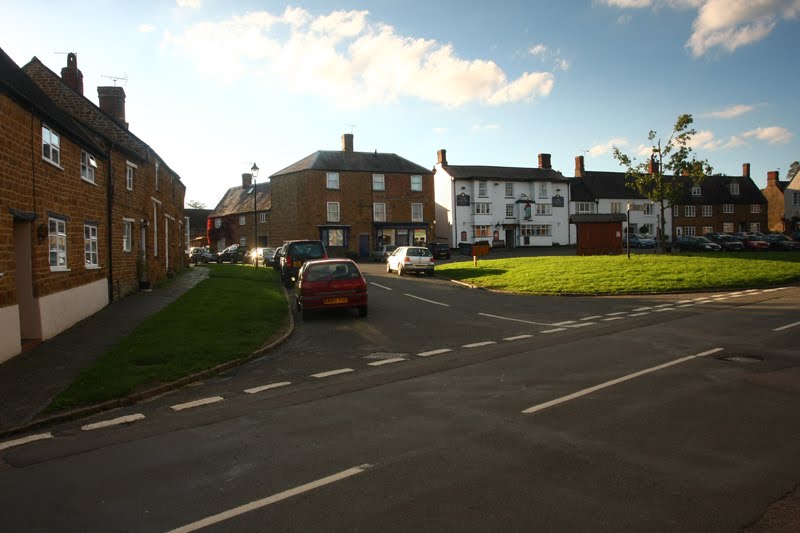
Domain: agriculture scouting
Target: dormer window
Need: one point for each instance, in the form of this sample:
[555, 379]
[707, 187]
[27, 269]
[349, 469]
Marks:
[735, 189]
[696, 191]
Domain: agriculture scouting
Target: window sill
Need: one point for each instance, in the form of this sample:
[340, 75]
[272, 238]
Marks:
[51, 162]
[93, 267]
[90, 182]
[60, 269]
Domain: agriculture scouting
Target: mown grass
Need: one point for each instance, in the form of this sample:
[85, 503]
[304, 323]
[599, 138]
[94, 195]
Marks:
[642, 273]
[226, 317]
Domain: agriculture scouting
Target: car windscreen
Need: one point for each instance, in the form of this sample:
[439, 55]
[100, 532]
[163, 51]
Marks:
[332, 271]
[308, 250]
[418, 252]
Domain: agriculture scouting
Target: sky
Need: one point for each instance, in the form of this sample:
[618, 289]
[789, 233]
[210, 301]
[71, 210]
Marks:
[214, 86]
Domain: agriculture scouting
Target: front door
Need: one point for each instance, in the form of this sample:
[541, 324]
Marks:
[363, 246]
[30, 323]
[510, 238]
[678, 231]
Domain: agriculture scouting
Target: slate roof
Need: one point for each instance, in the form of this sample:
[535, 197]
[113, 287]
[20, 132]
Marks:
[716, 190]
[20, 87]
[198, 218]
[480, 172]
[342, 161]
[579, 192]
[598, 217]
[239, 200]
[610, 185]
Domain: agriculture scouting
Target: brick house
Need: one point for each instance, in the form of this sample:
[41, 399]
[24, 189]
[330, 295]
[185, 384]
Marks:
[196, 227]
[71, 197]
[232, 220]
[721, 203]
[507, 206]
[353, 201]
[784, 205]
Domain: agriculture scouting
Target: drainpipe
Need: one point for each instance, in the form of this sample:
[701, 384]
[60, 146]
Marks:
[110, 236]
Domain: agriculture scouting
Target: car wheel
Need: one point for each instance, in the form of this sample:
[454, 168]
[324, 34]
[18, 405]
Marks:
[388, 268]
[399, 270]
[362, 311]
[219, 261]
[430, 273]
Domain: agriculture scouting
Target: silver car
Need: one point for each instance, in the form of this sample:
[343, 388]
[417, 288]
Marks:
[411, 259]
[382, 252]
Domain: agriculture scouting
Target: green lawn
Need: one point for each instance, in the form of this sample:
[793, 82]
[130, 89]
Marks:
[226, 317]
[642, 273]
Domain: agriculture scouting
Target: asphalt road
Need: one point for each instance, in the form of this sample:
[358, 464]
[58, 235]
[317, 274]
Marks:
[458, 410]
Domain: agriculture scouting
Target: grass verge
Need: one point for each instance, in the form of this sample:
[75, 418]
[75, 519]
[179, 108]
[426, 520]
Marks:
[642, 273]
[226, 317]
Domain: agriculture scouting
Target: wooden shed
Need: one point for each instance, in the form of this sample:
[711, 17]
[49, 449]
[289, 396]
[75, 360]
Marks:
[598, 234]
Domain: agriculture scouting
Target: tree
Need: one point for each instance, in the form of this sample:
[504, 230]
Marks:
[195, 204]
[652, 178]
[793, 168]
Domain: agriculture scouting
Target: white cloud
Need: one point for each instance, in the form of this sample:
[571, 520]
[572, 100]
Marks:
[440, 131]
[628, 3]
[771, 134]
[730, 111]
[537, 50]
[343, 57]
[561, 64]
[193, 4]
[146, 28]
[705, 140]
[604, 148]
[624, 19]
[478, 128]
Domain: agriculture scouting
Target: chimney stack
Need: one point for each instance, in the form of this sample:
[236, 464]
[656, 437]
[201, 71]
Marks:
[347, 142]
[772, 178]
[112, 101]
[746, 170]
[71, 75]
[441, 157]
[544, 161]
[247, 180]
[579, 166]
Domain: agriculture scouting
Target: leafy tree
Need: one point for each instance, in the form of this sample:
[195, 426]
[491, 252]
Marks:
[793, 168]
[671, 168]
[195, 204]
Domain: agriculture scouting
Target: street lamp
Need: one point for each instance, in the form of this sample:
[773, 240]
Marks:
[628, 229]
[254, 172]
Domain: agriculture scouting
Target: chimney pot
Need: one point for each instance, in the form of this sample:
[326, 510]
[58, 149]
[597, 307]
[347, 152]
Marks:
[772, 177]
[544, 161]
[247, 180]
[441, 157]
[579, 166]
[112, 101]
[347, 142]
[71, 74]
[746, 170]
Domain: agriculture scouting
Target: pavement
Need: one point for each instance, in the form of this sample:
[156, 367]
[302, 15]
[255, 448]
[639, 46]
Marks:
[30, 381]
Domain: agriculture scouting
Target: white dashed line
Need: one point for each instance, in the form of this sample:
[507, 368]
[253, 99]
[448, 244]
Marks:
[518, 337]
[381, 286]
[613, 318]
[591, 317]
[387, 361]
[478, 344]
[554, 330]
[684, 305]
[196, 403]
[662, 309]
[641, 314]
[113, 422]
[701, 302]
[641, 309]
[617, 313]
[434, 352]
[564, 323]
[682, 302]
[583, 325]
[787, 326]
[25, 440]
[426, 300]
[515, 319]
[662, 305]
[596, 388]
[262, 388]
[332, 373]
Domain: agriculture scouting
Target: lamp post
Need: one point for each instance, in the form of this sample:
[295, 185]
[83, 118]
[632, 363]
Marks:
[628, 228]
[254, 172]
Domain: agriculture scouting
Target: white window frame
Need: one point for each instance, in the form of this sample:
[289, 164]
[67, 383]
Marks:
[735, 189]
[689, 211]
[158, 178]
[217, 223]
[755, 209]
[130, 173]
[543, 210]
[379, 212]
[510, 190]
[648, 209]
[676, 211]
[378, 182]
[51, 146]
[127, 234]
[689, 231]
[616, 207]
[482, 208]
[416, 182]
[156, 203]
[242, 220]
[509, 210]
[57, 239]
[243, 241]
[483, 189]
[708, 211]
[88, 166]
[755, 226]
[585, 208]
[262, 218]
[542, 189]
[332, 180]
[334, 214]
[482, 231]
[90, 246]
[697, 190]
[727, 227]
[727, 209]
[536, 230]
[416, 212]
[795, 198]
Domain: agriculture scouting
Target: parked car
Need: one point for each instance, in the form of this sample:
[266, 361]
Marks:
[439, 249]
[268, 254]
[261, 253]
[295, 254]
[640, 241]
[382, 252]
[782, 243]
[411, 259]
[728, 243]
[752, 242]
[330, 283]
[234, 253]
[695, 244]
[201, 255]
[276, 259]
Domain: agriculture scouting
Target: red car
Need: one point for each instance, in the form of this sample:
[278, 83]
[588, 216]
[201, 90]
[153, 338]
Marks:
[328, 284]
[752, 241]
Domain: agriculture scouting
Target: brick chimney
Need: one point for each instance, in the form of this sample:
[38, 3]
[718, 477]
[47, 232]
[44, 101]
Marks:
[746, 170]
[579, 166]
[247, 180]
[112, 101]
[544, 161]
[772, 178]
[347, 142]
[71, 75]
[441, 157]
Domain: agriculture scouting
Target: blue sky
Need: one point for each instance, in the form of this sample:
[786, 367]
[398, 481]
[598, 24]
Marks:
[214, 86]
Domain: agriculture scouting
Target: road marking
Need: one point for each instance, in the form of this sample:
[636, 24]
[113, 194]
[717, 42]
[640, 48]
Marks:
[387, 361]
[196, 403]
[515, 319]
[25, 440]
[613, 318]
[641, 314]
[564, 323]
[434, 352]
[617, 313]
[381, 286]
[684, 305]
[701, 302]
[478, 344]
[425, 300]
[642, 309]
[591, 317]
[583, 325]
[662, 305]
[267, 387]
[113, 422]
[518, 337]
[662, 309]
[607, 384]
[332, 372]
[275, 498]
[737, 295]
[683, 302]
[553, 330]
[787, 326]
